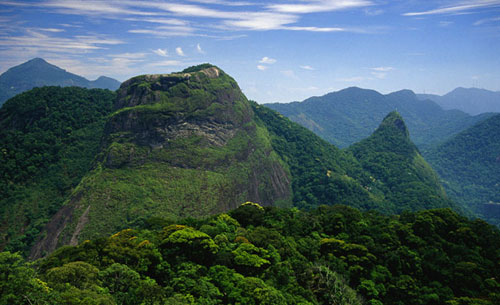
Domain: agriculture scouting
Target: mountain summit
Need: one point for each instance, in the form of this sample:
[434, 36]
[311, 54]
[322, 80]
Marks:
[400, 171]
[37, 73]
[180, 144]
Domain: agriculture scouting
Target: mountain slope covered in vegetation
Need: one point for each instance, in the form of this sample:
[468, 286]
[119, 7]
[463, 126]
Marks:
[469, 165]
[182, 144]
[395, 163]
[48, 138]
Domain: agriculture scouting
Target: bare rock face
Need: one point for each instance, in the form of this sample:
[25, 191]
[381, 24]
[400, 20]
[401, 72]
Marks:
[181, 144]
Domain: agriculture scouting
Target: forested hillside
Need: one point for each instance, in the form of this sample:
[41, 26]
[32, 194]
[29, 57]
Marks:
[374, 174]
[48, 138]
[469, 165]
[395, 163]
[255, 255]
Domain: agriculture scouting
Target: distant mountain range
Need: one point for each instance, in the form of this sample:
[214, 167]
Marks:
[470, 100]
[38, 73]
[350, 115]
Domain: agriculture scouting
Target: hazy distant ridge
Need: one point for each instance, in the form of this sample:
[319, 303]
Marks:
[38, 73]
[350, 115]
[470, 100]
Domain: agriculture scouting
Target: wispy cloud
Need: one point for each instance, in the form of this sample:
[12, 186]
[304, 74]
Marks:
[486, 20]
[306, 67]
[166, 21]
[261, 67]
[222, 2]
[313, 29]
[161, 52]
[458, 7]
[46, 41]
[199, 49]
[179, 51]
[166, 31]
[382, 69]
[267, 60]
[316, 6]
[373, 12]
[381, 72]
[93, 8]
[262, 17]
[52, 30]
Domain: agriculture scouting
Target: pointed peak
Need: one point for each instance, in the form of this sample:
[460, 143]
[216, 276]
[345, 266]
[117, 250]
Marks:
[37, 60]
[395, 121]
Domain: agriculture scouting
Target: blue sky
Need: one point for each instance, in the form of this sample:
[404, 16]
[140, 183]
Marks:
[278, 51]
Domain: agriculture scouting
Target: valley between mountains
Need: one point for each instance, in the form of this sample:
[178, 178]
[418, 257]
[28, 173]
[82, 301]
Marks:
[177, 189]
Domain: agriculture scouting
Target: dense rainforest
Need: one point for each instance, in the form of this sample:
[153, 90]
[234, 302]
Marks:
[469, 166]
[49, 137]
[165, 162]
[255, 255]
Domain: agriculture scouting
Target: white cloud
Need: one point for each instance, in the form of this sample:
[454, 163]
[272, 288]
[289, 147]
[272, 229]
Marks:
[222, 2]
[312, 29]
[262, 17]
[382, 69]
[39, 41]
[267, 60]
[166, 31]
[487, 20]
[261, 21]
[306, 67]
[317, 6]
[52, 30]
[381, 72]
[179, 51]
[93, 8]
[199, 49]
[167, 21]
[161, 52]
[373, 12]
[261, 67]
[460, 7]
